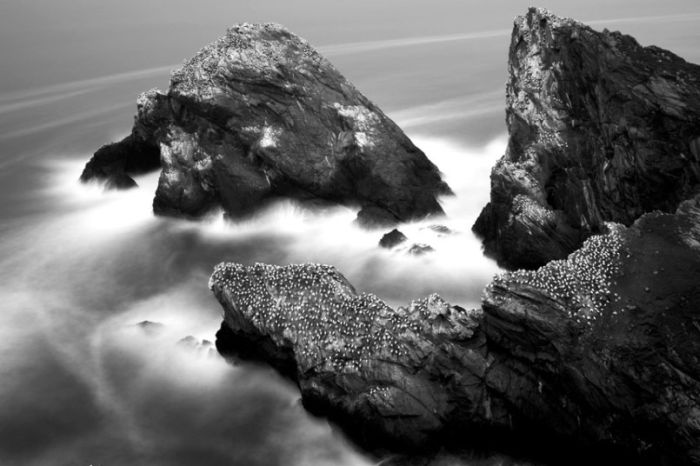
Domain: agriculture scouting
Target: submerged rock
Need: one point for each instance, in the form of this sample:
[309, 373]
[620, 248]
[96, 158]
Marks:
[573, 359]
[420, 249]
[601, 129]
[259, 114]
[200, 347]
[150, 327]
[441, 230]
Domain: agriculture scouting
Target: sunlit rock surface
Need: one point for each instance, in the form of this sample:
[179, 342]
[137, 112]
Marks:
[258, 114]
[601, 129]
[595, 356]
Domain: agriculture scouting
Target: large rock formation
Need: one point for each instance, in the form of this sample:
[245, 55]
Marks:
[601, 129]
[259, 114]
[597, 354]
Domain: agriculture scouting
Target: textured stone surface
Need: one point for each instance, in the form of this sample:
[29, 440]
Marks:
[595, 356]
[601, 129]
[259, 114]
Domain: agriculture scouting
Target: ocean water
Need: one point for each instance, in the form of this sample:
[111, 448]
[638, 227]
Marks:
[80, 382]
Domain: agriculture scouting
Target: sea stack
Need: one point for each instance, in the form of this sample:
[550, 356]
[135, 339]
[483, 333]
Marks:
[260, 114]
[601, 129]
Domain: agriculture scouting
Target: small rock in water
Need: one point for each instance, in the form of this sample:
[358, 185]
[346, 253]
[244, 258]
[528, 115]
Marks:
[391, 239]
[151, 328]
[420, 249]
[441, 229]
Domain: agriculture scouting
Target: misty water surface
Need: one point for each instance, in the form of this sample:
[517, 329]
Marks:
[80, 382]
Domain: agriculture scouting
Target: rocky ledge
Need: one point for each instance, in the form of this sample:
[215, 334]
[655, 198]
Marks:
[260, 114]
[601, 129]
[595, 356]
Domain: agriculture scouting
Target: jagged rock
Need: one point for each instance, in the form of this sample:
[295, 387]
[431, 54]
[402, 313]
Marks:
[259, 114]
[601, 129]
[391, 239]
[571, 359]
[611, 337]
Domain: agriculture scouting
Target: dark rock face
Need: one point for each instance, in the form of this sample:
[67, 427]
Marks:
[114, 163]
[596, 354]
[135, 154]
[613, 336]
[601, 129]
[391, 239]
[259, 114]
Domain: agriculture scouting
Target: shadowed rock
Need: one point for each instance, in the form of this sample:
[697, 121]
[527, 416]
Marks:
[601, 129]
[589, 358]
[391, 239]
[259, 114]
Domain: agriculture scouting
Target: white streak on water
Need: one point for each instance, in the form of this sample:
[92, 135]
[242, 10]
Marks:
[58, 122]
[65, 89]
[25, 103]
[371, 46]
[461, 108]
[18, 100]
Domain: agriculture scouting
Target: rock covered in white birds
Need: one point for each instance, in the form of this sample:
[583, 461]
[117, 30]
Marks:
[260, 114]
[600, 129]
[582, 282]
[329, 325]
[356, 359]
[584, 353]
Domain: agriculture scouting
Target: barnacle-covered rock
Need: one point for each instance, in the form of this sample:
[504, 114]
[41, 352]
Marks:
[259, 114]
[601, 129]
[591, 358]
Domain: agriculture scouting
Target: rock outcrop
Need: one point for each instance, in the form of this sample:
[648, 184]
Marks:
[260, 114]
[597, 354]
[601, 129]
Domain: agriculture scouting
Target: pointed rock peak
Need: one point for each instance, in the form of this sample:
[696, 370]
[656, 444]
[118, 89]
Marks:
[601, 129]
[259, 114]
